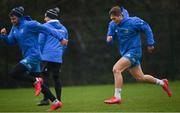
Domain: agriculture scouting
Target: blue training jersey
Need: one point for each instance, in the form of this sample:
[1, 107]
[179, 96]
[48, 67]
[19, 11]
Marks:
[26, 36]
[127, 33]
[51, 49]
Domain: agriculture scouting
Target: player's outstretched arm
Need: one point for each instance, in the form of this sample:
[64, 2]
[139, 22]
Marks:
[9, 39]
[37, 27]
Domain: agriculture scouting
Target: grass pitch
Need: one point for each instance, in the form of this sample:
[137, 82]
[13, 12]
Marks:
[136, 98]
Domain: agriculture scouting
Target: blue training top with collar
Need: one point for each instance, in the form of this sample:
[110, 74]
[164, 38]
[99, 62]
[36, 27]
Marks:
[26, 34]
[51, 49]
[127, 33]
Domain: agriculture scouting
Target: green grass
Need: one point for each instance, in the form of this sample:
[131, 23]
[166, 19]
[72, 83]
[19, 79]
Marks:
[136, 98]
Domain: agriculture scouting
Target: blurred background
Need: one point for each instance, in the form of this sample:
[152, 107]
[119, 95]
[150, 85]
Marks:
[88, 59]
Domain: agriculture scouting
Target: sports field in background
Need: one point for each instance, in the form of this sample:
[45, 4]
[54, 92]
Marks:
[136, 98]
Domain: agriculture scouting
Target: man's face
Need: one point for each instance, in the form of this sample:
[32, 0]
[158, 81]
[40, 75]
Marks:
[14, 20]
[116, 19]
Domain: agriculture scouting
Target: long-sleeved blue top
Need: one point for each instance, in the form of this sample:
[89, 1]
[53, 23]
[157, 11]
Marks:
[128, 32]
[51, 49]
[26, 35]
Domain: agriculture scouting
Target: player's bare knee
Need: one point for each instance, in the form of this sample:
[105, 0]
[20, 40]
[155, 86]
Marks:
[116, 70]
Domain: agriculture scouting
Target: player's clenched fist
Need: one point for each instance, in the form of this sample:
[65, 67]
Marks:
[64, 42]
[109, 38]
[3, 31]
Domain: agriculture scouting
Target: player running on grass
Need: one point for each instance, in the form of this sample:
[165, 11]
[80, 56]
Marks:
[25, 33]
[127, 32]
[52, 53]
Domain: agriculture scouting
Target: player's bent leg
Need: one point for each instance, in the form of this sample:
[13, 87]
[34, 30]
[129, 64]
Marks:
[55, 69]
[118, 68]
[45, 76]
[19, 73]
[137, 73]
